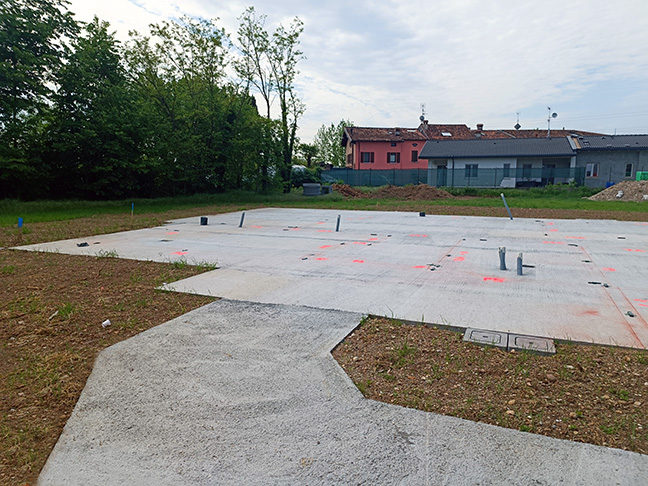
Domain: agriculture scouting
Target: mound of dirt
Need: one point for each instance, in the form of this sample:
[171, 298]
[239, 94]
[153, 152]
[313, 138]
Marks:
[348, 191]
[421, 192]
[632, 191]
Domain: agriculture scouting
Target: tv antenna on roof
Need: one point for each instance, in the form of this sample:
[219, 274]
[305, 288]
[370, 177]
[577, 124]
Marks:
[549, 117]
[422, 117]
[517, 126]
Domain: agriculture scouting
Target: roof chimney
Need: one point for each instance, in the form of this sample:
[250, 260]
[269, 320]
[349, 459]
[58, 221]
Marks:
[480, 126]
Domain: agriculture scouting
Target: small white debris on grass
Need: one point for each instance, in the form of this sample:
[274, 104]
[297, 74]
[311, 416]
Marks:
[106, 323]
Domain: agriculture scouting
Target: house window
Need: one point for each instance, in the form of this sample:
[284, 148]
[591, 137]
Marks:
[367, 157]
[471, 170]
[591, 170]
[393, 157]
[349, 160]
[507, 170]
[393, 144]
[628, 171]
[526, 170]
[414, 155]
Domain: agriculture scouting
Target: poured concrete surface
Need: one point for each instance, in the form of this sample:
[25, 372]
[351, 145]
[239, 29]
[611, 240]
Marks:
[584, 280]
[247, 393]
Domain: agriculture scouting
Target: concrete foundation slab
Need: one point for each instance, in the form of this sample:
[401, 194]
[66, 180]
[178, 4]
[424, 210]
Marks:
[247, 393]
[581, 281]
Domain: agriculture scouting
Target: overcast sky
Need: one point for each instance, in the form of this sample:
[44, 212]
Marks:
[469, 61]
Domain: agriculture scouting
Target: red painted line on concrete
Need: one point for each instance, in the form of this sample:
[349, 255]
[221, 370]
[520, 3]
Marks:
[180, 253]
[642, 305]
[321, 222]
[173, 233]
[420, 266]
[553, 230]
[295, 229]
[419, 236]
[459, 259]
[358, 261]
[326, 246]
[550, 224]
[642, 300]
[463, 252]
[325, 231]
[591, 312]
[554, 242]
[630, 249]
[359, 242]
[493, 279]
[608, 269]
[373, 239]
[321, 259]
[575, 237]
[255, 226]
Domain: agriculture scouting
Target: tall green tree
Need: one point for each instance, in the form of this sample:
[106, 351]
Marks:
[328, 141]
[269, 63]
[32, 47]
[180, 77]
[95, 138]
[308, 151]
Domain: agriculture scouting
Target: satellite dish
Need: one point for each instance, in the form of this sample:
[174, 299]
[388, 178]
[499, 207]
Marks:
[517, 126]
[421, 117]
[554, 115]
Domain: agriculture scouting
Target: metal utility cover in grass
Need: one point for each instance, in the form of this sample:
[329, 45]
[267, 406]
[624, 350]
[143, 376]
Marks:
[581, 282]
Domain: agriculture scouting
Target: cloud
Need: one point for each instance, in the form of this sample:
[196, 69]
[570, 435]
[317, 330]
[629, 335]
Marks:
[470, 61]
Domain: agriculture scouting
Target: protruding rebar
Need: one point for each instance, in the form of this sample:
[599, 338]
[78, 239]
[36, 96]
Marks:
[502, 256]
[242, 218]
[519, 264]
[337, 226]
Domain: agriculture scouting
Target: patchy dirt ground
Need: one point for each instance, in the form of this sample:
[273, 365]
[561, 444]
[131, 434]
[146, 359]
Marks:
[632, 191]
[52, 308]
[420, 192]
[583, 393]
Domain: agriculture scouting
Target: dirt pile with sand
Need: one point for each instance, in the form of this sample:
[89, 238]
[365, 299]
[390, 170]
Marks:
[636, 191]
[421, 192]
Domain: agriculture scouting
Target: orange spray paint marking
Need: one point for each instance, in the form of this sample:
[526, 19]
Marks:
[324, 231]
[554, 242]
[359, 242]
[321, 222]
[420, 266]
[326, 246]
[607, 269]
[358, 261]
[180, 253]
[575, 237]
[553, 230]
[173, 233]
[550, 224]
[256, 226]
[630, 249]
[459, 259]
[419, 236]
[321, 259]
[642, 300]
[373, 239]
[591, 313]
[493, 279]
[463, 252]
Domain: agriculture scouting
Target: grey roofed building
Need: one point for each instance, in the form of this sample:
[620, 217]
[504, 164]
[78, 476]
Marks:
[612, 142]
[519, 147]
